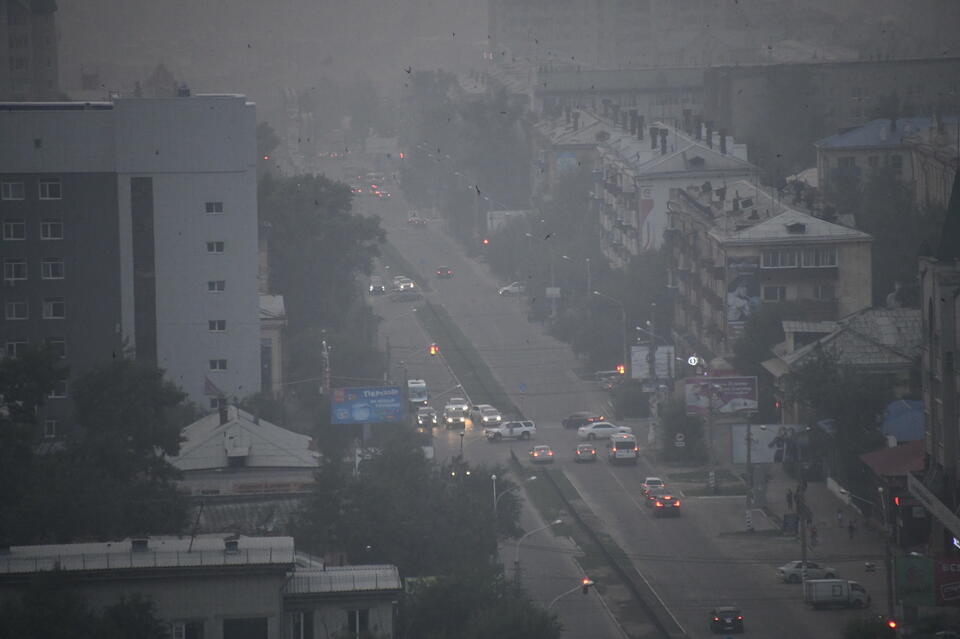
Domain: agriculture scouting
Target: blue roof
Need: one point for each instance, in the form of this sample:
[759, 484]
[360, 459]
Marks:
[904, 420]
[877, 133]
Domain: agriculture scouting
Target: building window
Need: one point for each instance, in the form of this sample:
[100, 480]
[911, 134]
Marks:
[19, 42]
[50, 190]
[847, 162]
[16, 310]
[819, 258]
[14, 268]
[358, 622]
[51, 228]
[779, 258]
[59, 390]
[217, 326]
[214, 207]
[54, 308]
[896, 163]
[187, 630]
[218, 364]
[825, 292]
[214, 247]
[216, 286]
[774, 293]
[14, 230]
[14, 347]
[50, 428]
[19, 64]
[51, 268]
[58, 345]
[12, 191]
[216, 403]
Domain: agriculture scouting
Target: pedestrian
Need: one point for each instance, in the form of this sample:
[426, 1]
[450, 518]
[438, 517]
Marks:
[839, 518]
[851, 528]
[789, 499]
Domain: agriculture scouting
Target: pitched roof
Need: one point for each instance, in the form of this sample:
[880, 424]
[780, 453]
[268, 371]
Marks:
[776, 228]
[873, 337]
[209, 444]
[878, 134]
[896, 461]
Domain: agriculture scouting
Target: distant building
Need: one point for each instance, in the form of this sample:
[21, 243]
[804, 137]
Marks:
[29, 67]
[920, 151]
[233, 452]
[939, 487]
[132, 224]
[218, 586]
[273, 322]
[735, 247]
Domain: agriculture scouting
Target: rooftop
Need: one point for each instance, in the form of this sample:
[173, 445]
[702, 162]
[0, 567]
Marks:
[343, 579]
[881, 134]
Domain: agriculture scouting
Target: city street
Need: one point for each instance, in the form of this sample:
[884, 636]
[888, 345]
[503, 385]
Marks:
[701, 559]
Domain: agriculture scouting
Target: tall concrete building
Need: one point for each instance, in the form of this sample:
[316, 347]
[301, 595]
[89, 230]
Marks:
[28, 50]
[132, 226]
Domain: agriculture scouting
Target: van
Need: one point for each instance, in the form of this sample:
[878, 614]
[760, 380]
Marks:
[820, 593]
[623, 448]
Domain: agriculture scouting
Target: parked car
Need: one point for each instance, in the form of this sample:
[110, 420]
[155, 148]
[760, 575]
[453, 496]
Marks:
[797, 571]
[485, 415]
[580, 418]
[541, 455]
[820, 593]
[516, 288]
[445, 272]
[726, 618]
[524, 429]
[601, 430]
[652, 483]
[585, 453]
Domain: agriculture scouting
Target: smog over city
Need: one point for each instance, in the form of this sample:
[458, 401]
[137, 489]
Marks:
[328, 319]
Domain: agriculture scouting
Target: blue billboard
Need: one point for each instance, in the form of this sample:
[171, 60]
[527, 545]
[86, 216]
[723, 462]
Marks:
[368, 405]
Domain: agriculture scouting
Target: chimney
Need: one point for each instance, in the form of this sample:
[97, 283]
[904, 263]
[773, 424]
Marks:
[663, 141]
[640, 126]
[224, 413]
[653, 138]
[710, 134]
[633, 121]
[576, 120]
[723, 141]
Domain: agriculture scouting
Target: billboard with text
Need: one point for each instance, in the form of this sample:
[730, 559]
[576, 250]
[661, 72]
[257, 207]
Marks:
[367, 405]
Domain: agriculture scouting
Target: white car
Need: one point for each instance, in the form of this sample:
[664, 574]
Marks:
[652, 483]
[516, 288]
[403, 283]
[485, 415]
[795, 572]
[601, 430]
[459, 403]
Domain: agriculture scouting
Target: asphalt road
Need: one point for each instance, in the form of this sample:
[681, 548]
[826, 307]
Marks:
[692, 562]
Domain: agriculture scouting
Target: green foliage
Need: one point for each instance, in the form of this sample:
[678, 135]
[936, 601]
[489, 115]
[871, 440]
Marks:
[868, 628]
[317, 247]
[401, 504]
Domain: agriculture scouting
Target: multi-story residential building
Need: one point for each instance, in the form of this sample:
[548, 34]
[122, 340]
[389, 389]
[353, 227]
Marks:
[564, 145]
[28, 50]
[736, 247]
[939, 490]
[636, 177]
[918, 150]
[820, 98]
[132, 226]
[218, 586]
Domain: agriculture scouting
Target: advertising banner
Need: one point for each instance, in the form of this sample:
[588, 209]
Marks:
[946, 581]
[724, 395]
[368, 405]
[640, 362]
[766, 443]
[743, 292]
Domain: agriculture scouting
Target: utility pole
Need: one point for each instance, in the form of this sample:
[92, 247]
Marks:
[652, 351]
[589, 297]
[325, 351]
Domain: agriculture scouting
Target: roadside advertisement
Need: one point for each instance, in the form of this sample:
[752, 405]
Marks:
[946, 581]
[367, 405]
[640, 362]
[722, 395]
[743, 292]
[926, 581]
[766, 443]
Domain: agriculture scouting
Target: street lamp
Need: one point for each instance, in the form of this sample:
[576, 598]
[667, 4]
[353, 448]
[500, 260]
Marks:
[583, 586]
[516, 555]
[623, 319]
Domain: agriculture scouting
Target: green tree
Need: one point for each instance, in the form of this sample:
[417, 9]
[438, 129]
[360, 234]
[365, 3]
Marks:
[512, 618]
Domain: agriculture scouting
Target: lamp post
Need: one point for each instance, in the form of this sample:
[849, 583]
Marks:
[887, 552]
[516, 554]
[623, 319]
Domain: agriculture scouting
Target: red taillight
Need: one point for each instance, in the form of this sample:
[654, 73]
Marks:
[659, 504]
[716, 618]
[593, 452]
[739, 617]
[550, 453]
[677, 503]
[636, 449]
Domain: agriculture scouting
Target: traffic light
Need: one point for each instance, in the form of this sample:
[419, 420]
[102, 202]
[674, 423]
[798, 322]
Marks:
[434, 349]
[896, 500]
[486, 241]
[585, 584]
[892, 624]
[621, 369]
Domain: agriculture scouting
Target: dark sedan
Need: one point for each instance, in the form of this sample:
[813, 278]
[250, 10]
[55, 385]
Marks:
[444, 272]
[582, 418]
[726, 618]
